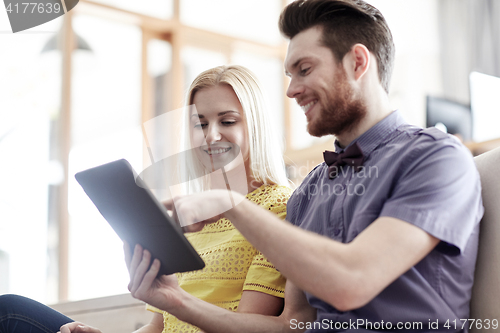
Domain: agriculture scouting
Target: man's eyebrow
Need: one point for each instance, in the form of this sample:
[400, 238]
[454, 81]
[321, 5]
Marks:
[294, 65]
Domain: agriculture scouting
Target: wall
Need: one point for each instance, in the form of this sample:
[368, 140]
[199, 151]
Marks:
[417, 71]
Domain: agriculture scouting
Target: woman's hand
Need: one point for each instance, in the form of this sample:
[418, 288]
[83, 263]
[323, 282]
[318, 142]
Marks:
[76, 327]
[162, 292]
[192, 212]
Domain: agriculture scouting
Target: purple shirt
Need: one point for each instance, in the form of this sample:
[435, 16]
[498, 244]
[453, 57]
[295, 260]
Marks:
[421, 176]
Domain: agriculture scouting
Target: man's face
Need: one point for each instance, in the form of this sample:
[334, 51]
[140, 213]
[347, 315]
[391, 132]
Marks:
[321, 87]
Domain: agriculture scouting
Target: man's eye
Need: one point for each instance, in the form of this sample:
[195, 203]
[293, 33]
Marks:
[304, 71]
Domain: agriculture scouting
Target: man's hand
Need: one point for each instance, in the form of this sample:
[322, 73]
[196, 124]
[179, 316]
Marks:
[76, 327]
[162, 292]
[192, 212]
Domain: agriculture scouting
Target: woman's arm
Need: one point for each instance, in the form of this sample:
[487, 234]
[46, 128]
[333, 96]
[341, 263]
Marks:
[164, 293]
[155, 326]
[260, 303]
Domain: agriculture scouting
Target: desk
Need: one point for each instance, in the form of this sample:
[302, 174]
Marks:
[477, 148]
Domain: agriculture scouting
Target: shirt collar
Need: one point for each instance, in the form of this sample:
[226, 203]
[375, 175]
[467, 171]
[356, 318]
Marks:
[377, 134]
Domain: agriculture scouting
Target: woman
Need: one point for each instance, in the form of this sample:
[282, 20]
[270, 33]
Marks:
[232, 147]
[229, 131]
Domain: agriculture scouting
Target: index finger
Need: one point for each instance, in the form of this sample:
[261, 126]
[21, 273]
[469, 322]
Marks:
[169, 204]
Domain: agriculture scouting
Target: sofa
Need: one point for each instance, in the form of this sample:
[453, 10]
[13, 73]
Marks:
[485, 302]
[111, 314]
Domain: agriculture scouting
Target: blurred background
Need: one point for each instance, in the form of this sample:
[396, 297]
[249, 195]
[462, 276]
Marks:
[75, 91]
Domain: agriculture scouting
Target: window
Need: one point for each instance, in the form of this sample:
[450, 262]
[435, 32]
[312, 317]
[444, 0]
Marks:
[105, 126]
[255, 20]
[30, 95]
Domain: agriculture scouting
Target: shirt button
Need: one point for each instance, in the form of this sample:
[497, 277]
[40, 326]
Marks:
[336, 232]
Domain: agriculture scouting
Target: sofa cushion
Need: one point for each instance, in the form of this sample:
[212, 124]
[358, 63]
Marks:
[485, 303]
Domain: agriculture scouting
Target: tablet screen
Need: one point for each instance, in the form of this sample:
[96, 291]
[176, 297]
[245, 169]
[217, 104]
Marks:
[137, 216]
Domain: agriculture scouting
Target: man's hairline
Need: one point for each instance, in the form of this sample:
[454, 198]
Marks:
[321, 43]
[338, 62]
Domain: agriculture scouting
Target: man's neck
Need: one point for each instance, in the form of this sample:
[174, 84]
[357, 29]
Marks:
[377, 108]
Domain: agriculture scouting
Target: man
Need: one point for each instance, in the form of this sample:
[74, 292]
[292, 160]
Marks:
[384, 234]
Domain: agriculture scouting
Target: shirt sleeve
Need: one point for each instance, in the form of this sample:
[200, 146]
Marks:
[262, 275]
[439, 191]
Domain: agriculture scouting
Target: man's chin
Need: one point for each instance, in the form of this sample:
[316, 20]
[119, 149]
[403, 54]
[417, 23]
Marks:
[317, 131]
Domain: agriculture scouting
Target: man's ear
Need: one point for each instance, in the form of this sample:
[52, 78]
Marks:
[359, 60]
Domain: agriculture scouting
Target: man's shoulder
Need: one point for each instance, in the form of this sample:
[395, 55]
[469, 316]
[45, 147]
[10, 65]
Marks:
[434, 133]
[430, 134]
[425, 149]
[435, 136]
[413, 150]
[415, 140]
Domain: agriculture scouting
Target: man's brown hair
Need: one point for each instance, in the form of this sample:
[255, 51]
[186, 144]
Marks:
[344, 23]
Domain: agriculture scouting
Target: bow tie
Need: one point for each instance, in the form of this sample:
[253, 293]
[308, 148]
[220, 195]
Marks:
[353, 156]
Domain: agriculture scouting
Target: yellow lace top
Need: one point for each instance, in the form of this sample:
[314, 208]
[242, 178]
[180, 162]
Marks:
[232, 263]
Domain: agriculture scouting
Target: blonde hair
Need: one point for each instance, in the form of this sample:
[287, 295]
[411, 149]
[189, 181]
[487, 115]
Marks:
[265, 151]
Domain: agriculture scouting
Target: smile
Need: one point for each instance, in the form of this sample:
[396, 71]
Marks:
[217, 151]
[308, 106]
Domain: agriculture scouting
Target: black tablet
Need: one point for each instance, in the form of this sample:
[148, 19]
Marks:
[137, 216]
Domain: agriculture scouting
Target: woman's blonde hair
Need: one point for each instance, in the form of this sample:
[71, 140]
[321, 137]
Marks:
[265, 151]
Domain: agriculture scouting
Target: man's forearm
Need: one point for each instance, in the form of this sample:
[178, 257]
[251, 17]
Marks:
[308, 263]
[346, 276]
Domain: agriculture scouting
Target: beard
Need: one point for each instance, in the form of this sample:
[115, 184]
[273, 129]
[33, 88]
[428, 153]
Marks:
[341, 112]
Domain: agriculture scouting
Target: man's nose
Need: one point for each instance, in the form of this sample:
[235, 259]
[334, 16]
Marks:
[294, 89]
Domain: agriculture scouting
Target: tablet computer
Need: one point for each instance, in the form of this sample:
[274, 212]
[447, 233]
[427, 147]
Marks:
[137, 216]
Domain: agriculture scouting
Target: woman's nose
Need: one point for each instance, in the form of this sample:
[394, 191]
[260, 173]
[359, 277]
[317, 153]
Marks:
[212, 134]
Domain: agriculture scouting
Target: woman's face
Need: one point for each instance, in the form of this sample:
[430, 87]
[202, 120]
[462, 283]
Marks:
[218, 130]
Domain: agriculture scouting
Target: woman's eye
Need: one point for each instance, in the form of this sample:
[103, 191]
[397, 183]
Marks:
[200, 125]
[228, 123]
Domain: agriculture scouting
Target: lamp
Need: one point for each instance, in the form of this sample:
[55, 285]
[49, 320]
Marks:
[52, 44]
